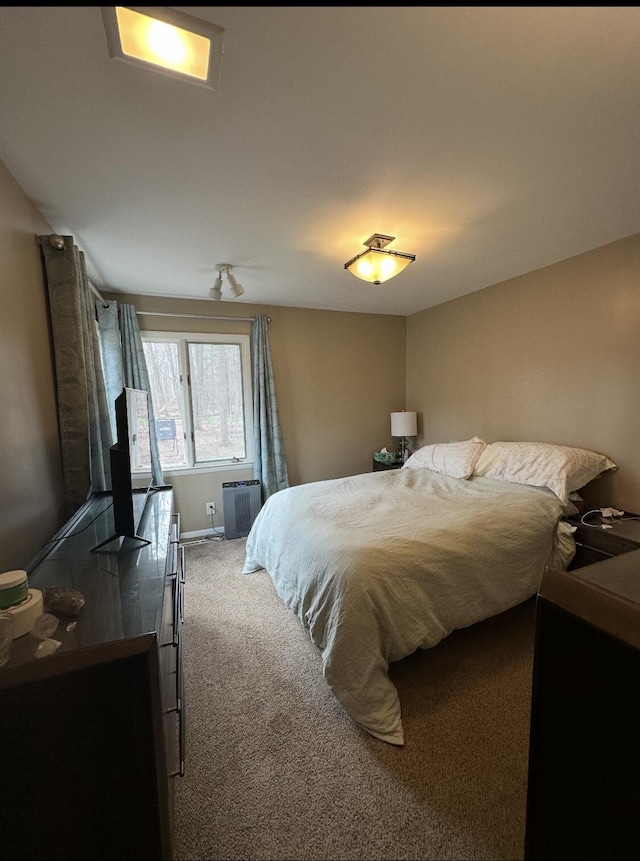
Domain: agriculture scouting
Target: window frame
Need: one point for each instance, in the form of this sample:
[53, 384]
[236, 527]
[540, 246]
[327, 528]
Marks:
[183, 339]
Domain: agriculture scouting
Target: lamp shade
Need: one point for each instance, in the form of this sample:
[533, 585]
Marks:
[404, 424]
[376, 265]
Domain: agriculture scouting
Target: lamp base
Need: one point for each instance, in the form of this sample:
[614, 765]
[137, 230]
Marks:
[403, 453]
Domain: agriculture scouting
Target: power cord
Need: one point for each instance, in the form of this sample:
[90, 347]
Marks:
[73, 534]
[217, 536]
[604, 512]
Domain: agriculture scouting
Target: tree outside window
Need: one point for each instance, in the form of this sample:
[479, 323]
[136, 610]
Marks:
[201, 398]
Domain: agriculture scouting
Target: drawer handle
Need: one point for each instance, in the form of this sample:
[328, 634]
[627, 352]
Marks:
[179, 709]
[178, 597]
[173, 571]
[178, 608]
[175, 528]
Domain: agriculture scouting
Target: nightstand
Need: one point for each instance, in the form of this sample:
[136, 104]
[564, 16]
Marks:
[378, 466]
[594, 544]
[584, 756]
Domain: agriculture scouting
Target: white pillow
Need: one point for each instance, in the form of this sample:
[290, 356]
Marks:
[561, 468]
[457, 459]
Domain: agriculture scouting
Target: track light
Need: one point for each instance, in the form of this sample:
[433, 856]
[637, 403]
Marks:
[236, 288]
[216, 290]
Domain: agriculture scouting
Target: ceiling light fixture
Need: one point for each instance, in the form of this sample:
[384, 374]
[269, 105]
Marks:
[216, 290]
[236, 288]
[168, 41]
[376, 264]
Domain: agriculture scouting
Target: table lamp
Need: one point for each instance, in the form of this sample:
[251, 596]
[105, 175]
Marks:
[404, 424]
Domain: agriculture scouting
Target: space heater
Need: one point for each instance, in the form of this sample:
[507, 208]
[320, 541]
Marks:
[241, 502]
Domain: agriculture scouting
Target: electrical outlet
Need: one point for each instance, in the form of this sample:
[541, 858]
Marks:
[211, 508]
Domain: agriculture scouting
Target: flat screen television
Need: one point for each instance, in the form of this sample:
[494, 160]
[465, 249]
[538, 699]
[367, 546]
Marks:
[130, 455]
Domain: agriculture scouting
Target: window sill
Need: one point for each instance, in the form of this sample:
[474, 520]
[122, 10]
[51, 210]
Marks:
[205, 468]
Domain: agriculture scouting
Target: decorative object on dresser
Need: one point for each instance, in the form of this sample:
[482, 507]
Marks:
[23, 604]
[583, 800]
[102, 720]
[404, 425]
[7, 626]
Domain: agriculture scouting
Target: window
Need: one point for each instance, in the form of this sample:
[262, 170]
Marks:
[202, 401]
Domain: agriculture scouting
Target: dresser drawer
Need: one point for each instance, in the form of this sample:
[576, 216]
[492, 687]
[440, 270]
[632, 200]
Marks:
[586, 555]
[93, 780]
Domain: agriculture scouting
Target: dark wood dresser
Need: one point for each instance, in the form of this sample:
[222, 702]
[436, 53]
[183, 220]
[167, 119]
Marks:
[93, 735]
[584, 758]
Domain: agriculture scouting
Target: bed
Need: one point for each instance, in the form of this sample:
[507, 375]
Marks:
[378, 565]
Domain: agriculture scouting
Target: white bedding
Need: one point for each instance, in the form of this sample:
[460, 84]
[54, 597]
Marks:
[380, 564]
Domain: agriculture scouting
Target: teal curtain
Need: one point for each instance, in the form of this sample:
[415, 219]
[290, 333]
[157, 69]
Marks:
[83, 414]
[270, 465]
[136, 376]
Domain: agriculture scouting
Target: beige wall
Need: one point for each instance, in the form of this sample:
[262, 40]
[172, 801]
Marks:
[552, 356]
[31, 492]
[337, 375]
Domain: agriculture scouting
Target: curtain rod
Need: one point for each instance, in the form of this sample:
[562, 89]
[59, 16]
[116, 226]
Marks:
[58, 243]
[199, 316]
[97, 293]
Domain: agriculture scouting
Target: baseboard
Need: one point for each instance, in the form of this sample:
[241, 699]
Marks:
[202, 533]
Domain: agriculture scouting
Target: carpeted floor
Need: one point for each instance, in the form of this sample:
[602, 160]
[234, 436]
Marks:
[276, 769]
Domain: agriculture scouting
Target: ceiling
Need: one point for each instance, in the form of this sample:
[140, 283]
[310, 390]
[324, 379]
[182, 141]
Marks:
[490, 141]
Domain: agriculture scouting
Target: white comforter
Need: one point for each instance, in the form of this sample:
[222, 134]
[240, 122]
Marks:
[380, 564]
